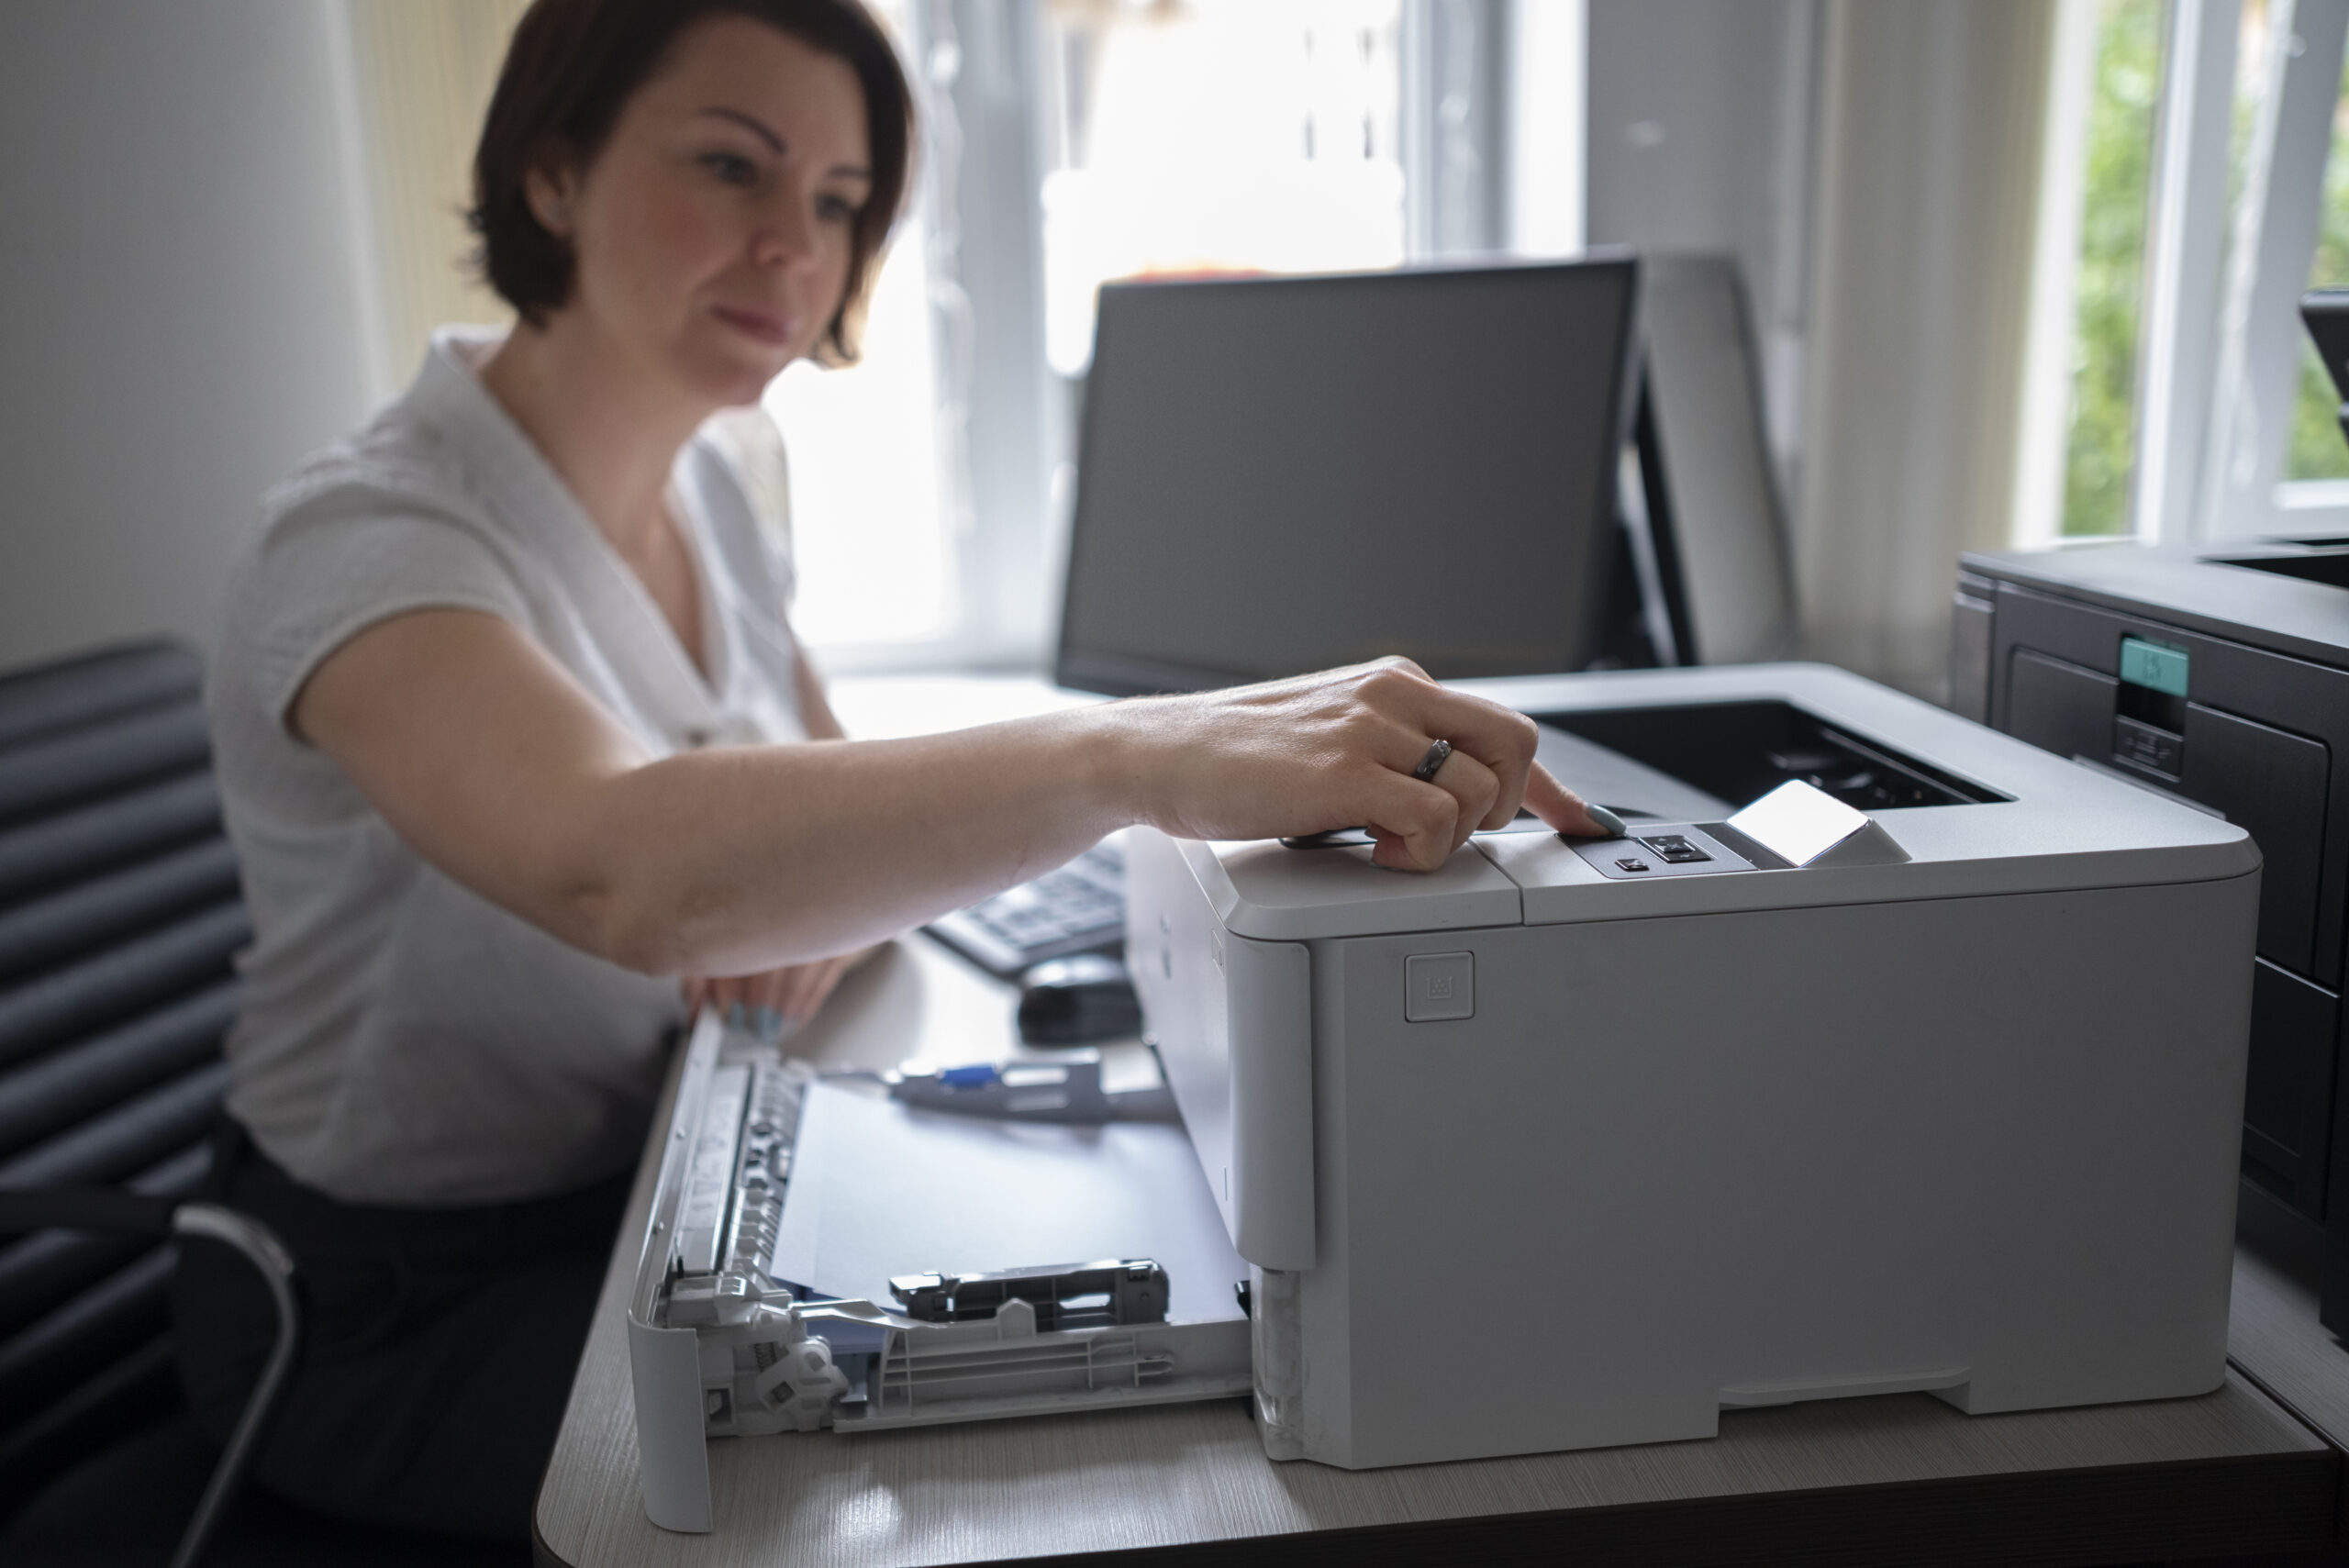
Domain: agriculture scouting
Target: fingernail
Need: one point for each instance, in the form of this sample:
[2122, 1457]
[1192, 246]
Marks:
[733, 1015]
[1608, 821]
[766, 1024]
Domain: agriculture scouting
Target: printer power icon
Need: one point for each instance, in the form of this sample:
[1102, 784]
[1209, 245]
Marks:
[1439, 987]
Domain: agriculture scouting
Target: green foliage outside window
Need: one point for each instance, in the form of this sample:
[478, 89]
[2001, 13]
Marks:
[2318, 451]
[2115, 201]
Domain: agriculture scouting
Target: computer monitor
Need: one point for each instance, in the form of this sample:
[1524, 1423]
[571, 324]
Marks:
[1280, 474]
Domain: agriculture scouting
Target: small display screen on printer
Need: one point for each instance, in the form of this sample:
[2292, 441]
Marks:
[1741, 751]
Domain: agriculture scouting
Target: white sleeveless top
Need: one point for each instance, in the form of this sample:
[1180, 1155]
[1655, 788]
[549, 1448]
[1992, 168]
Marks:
[402, 1041]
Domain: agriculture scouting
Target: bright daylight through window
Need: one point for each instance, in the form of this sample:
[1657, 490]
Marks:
[1178, 137]
[869, 533]
[1215, 135]
[2115, 197]
[2260, 417]
[2318, 451]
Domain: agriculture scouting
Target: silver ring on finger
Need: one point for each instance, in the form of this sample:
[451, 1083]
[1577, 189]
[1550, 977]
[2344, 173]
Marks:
[1432, 763]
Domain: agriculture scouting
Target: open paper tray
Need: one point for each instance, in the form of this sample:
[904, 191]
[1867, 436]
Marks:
[926, 1373]
[1183, 1360]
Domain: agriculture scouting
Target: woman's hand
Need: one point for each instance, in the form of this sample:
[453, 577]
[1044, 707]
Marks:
[1336, 749]
[773, 999]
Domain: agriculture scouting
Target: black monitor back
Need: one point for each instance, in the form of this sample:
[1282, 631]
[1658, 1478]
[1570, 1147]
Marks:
[1284, 475]
[1707, 529]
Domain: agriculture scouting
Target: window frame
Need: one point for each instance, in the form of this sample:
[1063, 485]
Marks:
[2221, 341]
[2185, 249]
[2282, 204]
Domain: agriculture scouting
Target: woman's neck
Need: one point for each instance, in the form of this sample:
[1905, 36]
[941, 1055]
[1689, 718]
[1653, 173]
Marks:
[607, 426]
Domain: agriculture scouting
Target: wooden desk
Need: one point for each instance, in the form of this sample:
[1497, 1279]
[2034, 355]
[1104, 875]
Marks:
[1894, 1478]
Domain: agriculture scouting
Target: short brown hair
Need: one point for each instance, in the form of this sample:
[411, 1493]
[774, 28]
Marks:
[570, 67]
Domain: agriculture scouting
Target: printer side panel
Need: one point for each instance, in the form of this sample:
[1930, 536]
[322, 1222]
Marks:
[1232, 1020]
[1267, 987]
[1174, 951]
[1983, 1146]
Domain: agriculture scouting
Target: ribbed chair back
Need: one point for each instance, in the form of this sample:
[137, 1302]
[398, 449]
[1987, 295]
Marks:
[120, 910]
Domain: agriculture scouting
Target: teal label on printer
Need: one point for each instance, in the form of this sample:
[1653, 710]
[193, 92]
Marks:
[2154, 664]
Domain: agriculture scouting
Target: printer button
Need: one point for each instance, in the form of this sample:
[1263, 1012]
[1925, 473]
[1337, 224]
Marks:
[1439, 987]
[1632, 863]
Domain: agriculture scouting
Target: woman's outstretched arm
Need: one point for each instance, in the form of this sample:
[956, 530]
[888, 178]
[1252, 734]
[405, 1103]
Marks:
[485, 757]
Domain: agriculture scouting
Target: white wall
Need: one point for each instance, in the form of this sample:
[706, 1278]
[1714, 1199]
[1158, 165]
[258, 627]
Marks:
[1700, 125]
[179, 300]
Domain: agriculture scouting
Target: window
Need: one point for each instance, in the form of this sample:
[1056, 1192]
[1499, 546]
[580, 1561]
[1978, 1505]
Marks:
[2209, 198]
[870, 534]
[2117, 158]
[2318, 448]
[1215, 135]
[2262, 472]
[1067, 142]
[1206, 135]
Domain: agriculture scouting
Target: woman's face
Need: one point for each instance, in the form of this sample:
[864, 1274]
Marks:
[713, 230]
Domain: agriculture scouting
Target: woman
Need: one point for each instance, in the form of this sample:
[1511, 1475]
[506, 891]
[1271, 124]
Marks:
[517, 749]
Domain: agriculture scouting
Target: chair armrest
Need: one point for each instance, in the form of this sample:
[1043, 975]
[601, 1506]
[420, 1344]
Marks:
[136, 1214]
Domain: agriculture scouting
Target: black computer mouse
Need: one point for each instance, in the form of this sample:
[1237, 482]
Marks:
[1077, 1000]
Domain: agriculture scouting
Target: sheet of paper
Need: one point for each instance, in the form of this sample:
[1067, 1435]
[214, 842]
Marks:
[878, 1189]
[1798, 822]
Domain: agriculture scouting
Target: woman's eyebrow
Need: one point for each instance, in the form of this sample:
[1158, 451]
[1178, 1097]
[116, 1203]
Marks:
[759, 128]
[755, 126]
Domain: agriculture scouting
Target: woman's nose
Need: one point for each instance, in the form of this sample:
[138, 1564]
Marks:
[786, 234]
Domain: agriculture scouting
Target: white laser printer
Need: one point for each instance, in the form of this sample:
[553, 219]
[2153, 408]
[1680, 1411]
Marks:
[1885, 1054]
[1570, 1144]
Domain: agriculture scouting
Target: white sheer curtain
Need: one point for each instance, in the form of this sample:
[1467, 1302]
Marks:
[1928, 162]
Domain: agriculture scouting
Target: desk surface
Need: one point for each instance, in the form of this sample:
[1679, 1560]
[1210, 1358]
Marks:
[2275, 1340]
[1893, 1477]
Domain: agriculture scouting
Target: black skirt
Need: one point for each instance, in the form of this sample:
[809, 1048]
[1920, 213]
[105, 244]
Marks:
[438, 1345]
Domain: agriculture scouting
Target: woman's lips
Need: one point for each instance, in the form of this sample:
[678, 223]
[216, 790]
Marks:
[763, 325]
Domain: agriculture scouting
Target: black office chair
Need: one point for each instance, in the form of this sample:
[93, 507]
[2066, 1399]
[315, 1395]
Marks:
[119, 912]
[112, 1212]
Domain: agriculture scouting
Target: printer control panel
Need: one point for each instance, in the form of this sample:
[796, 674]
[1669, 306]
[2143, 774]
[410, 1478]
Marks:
[1666, 849]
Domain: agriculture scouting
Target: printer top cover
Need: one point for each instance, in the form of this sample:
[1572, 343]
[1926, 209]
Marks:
[2031, 823]
[2279, 594]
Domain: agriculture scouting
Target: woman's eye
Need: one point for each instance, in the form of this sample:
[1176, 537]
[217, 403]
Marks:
[837, 210]
[730, 167]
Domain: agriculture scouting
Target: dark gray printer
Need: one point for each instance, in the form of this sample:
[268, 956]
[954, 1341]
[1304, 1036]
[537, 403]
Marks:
[2218, 675]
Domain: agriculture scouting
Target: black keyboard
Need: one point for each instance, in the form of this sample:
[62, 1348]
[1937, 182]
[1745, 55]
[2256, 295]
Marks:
[1081, 907]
